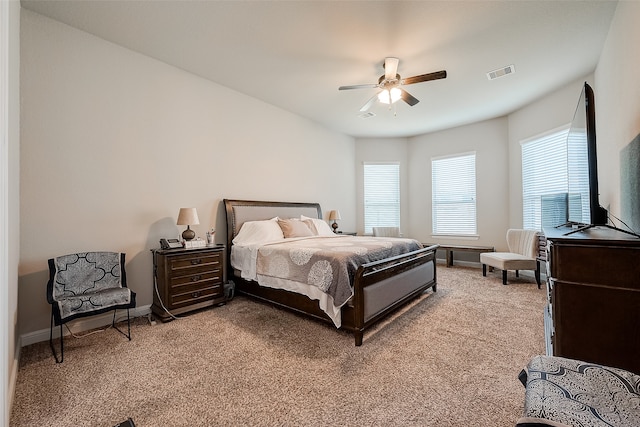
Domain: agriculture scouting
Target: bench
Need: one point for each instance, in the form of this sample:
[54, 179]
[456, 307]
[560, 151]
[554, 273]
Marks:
[450, 249]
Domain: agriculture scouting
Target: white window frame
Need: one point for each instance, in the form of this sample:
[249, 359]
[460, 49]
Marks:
[381, 199]
[451, 194]
[544, 173]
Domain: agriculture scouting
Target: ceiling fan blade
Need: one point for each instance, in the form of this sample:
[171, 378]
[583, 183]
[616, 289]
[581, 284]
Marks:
[390, 68]
[369, 103]
[408, 98]
[357, 87]
[425, 77]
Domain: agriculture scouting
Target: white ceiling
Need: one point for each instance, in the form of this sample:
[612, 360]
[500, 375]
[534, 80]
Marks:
[295, 54]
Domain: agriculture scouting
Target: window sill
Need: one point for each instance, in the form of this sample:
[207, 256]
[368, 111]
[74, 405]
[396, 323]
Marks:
[456, 236]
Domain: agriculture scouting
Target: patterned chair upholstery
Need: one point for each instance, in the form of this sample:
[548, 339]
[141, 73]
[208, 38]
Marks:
[523, 249]
[565, 392]
[86, 284]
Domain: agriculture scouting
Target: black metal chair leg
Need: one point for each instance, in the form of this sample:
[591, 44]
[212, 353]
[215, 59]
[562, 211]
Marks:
[484, 270]
[113, 323]
[504, 277]
[53, 350]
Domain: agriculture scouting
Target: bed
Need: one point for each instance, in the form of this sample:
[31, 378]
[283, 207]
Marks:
[377, 287]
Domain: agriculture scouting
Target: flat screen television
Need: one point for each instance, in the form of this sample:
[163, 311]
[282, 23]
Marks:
[582, 165]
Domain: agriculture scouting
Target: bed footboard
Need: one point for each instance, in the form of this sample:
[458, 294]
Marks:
[382, 286]
[379, 287]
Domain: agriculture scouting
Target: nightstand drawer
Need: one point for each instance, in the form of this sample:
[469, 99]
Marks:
[195, 277]
[189, 296]
[187, 280]
[206, 261]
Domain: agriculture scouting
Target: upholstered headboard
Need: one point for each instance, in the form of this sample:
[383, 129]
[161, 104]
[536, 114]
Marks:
[240, 211]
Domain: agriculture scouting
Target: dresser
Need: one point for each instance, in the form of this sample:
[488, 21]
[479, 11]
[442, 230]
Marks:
[187, 280]
[593, 290]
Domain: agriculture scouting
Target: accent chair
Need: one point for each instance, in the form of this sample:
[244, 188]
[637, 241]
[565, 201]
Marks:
[523, 249]
[87, 284]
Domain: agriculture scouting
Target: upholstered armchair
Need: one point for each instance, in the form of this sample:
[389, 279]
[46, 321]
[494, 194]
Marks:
[386, 231]
[86, 284]
[522, 255]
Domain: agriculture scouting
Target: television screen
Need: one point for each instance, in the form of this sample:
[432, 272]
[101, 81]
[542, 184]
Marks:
[582, 168]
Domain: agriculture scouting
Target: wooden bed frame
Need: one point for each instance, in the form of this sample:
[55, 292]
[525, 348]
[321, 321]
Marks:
[379, 287]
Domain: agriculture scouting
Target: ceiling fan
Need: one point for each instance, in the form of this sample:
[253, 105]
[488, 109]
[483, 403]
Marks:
[390, 84]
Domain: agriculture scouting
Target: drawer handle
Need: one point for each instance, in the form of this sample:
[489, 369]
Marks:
[196, 261]
[196, 278]
[195, 294]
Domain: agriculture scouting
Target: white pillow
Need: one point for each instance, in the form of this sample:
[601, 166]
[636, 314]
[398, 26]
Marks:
[321, 227]
[256, 232]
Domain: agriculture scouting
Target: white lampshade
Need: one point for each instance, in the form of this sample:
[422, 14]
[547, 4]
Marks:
[188, 216]
[333, 215]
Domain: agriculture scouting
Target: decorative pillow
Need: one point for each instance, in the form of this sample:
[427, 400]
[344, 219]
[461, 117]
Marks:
[295, 228]
[321, 228]
[255, 232]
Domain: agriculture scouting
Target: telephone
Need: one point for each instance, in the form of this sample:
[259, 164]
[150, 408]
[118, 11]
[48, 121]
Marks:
[170, 243]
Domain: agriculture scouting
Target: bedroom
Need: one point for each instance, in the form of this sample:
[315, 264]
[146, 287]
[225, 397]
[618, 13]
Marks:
[157, 131]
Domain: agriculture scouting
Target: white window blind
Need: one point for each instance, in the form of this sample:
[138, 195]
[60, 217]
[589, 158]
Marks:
[578, 176]
[544, 180]
[454, 194]
[381, 195]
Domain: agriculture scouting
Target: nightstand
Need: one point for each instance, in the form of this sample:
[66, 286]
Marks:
[348, 233]
[187, 280]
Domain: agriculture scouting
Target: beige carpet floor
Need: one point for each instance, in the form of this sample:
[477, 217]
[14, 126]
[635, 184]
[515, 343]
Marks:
[450, 358]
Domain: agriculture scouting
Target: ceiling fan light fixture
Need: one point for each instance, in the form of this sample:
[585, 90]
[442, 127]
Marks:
[390, 85]
[390, 96]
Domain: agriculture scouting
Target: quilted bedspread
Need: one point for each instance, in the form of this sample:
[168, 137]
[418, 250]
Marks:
[328, 263]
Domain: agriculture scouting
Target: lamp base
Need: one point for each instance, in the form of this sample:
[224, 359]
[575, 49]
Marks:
[188, 234]
[335, 227]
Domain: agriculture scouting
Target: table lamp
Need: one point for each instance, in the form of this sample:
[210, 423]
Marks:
[334, 216]
[188, 216]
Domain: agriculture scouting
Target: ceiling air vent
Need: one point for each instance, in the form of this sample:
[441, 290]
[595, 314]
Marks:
[367, 115]
[510, 69]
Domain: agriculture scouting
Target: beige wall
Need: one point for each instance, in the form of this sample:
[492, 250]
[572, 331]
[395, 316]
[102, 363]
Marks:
[10, 204]
[489, 141]
[617, 92]
[86, 99]
[380, 150]
[547, 113]
[114, 143]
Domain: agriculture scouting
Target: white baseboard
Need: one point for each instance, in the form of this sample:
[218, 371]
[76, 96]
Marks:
[81, 325]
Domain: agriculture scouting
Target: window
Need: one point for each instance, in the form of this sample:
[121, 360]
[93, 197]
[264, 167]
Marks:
[381, 195]
[454, 194]
[544, 180]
